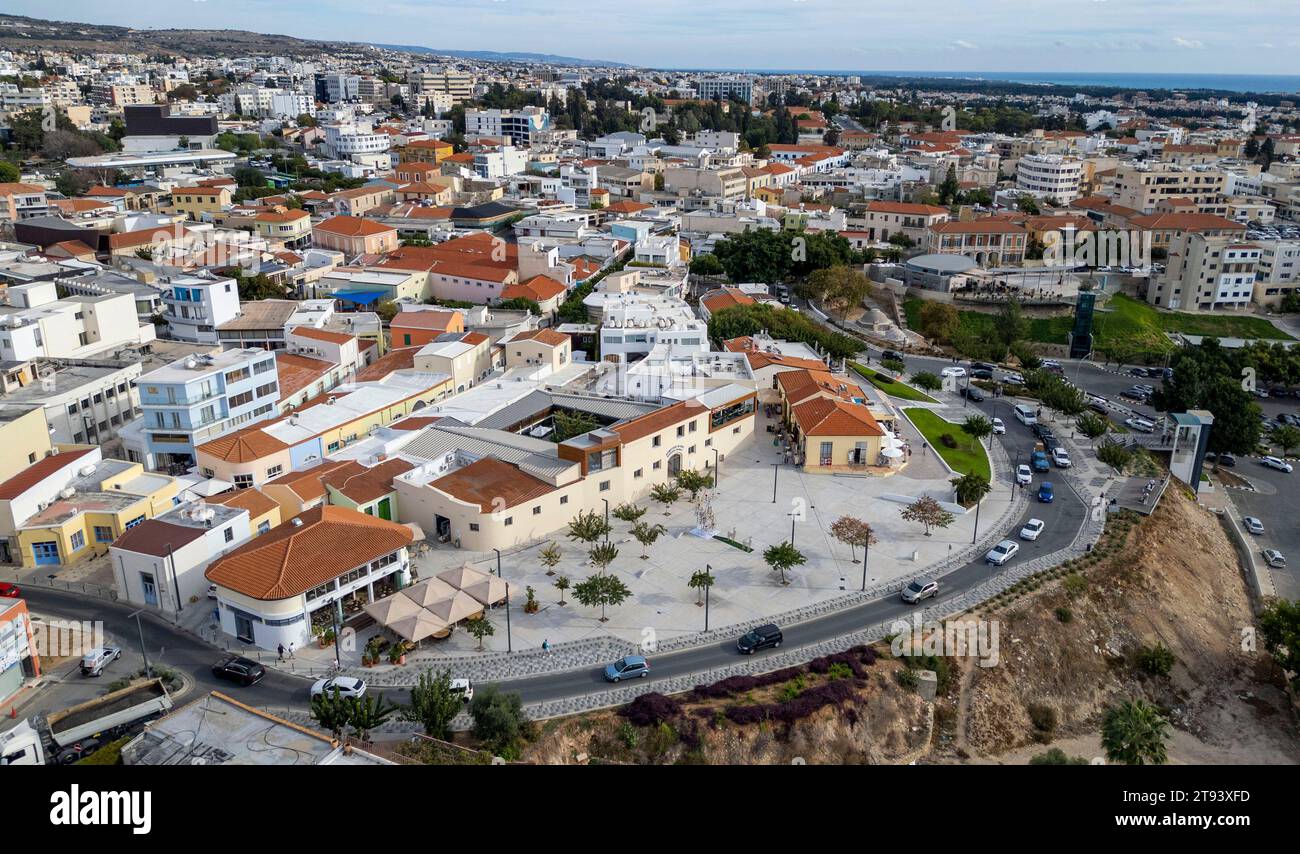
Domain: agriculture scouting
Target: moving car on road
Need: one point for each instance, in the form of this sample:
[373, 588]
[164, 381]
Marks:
[243, 671]
[953, 372]
[1225, 459]
[1061, 458]
[1023, 475]
[1276, 463]
[760, 638]
[920, 588]
[1045, 492]
[1274, 558]
[9, 591]
[1253, 525]
[1032, 529]
[1140, 424]
[1001, 553]
[627, 667]
[1038, 461]
[345, 686]
[94, 662]
[973, 394]
[999, 428]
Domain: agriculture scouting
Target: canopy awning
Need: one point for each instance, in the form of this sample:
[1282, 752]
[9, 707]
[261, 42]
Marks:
[418, 626]
[428, 592]
[491, 590]
[360, 297]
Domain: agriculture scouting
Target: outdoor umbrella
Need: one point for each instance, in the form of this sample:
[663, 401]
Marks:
[462, 576]
[454, 608]
[891, 453]
[491, 590]
[429, 591]
[392, 608]
[418, 626]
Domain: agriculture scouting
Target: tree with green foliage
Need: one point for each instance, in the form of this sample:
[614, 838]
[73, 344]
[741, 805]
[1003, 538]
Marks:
[646, 534]
[1011, 325]
[333, 712]
[1114, 455]
[1134, 733]
[370, 712]
[500, 724]
[562, 584]
[665, 494]
[977, 427]
[783, 558]
[629, 513]
[700, 581]
[588, 527]
[971, 488]
[602, 555]
[939, 321]
[927, 381]
[1057, 756]
[1279, 629]
[694, 482]
[433, 703]
[601, 591]
[1285, 437]
[1092, 425]
[706, 265]
[565, 424]
[9, 173]
[480, 628]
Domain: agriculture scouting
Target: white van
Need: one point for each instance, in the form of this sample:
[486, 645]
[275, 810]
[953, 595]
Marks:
[1025, 414]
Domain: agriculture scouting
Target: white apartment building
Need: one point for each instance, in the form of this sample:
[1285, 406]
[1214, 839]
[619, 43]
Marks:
[194, 307]
[1050, 176]
[708, 88]
[521, 126]
[1207, 273]
[631, 325]
[346, 140]
[35, 323]
[1142, 186]
[1278, 273]
[498, 163]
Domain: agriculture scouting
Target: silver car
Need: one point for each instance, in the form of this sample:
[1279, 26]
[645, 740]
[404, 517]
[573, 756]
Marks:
[1253, 525]
[1274, 558]
[1002, 552]
[920, 588]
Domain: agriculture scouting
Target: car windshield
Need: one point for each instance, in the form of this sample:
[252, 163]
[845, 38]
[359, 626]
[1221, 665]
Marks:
[752, 637]
[916, 587]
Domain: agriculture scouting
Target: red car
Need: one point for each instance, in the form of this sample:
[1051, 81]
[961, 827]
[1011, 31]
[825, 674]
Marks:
[9, 590]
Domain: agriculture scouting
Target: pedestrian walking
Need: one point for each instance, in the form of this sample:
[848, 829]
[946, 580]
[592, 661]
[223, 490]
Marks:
[925, 446]
[290, 650]
[280, 649]
[546, 646]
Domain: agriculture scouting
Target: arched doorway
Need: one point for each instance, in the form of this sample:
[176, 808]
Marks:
[674, 465]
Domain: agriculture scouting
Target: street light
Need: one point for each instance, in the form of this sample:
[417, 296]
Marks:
[144, 653]
[708, 570]
[866, 553]
[510, 646]
[793, 517]
[717, 467]
[606, 500]
[977, 521]
[776, 469]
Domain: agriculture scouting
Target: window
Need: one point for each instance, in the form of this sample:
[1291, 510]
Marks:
[274, 471]
[681, 430]
[136, 521]
[103, 534]
[510, 520]
[564, 499]
[243, 481]
[693, 426]
[658, 465]
[72, 409]
[31, 458]
[656, 441]
[637, 473]
[78, 540]
[229, 534]
[604, 486]
[263, 527]
[537, 511]
[473, 526]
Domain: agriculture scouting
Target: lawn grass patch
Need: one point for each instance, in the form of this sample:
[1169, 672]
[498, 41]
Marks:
[969, 455]
[889, 385]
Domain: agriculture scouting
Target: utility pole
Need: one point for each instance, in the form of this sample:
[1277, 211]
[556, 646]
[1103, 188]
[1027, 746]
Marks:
[143, 652]
[510, 644]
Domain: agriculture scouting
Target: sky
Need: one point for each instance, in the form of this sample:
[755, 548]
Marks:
[1173, 36]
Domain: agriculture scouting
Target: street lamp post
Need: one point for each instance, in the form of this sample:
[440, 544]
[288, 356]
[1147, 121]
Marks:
[776, 470]
[708, 570]
[144, 653]
[510, 645]
[717, 467]
[866, 553]
[792, 521]
[977, 521]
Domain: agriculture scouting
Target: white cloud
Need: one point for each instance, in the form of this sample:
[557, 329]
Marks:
[965, 45]
[1190, 44]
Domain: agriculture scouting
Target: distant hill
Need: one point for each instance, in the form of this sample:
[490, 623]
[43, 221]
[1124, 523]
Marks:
[23, 33]
[508, 56]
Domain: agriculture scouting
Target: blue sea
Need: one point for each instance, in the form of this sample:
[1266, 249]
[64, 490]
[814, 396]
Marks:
[1262, 83]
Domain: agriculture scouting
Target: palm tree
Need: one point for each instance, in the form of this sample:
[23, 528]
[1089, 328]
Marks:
[562, 584]
[646, 534]
[782, 557]
[371, 712]
[1135, 733]
[550, 557]
[971, 488]
[700, 580]
[333, 712]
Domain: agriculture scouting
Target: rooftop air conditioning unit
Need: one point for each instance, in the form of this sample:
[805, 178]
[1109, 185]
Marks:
[68, 493]
[86, 471]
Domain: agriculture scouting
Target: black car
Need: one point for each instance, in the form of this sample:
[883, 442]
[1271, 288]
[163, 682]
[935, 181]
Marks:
[1137, 372]
[1041, 430]
[243, 671]
[760, 638]
[981, 373]
[1051, 443]
[980, 366]
[973, 393]
[890, 355]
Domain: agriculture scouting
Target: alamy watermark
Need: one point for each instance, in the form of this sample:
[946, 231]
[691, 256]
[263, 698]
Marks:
[956, 638]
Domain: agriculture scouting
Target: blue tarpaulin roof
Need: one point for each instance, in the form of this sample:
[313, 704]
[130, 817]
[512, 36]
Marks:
[360, 297]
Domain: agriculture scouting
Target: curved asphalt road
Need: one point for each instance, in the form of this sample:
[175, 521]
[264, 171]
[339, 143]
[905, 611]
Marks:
[182, 651]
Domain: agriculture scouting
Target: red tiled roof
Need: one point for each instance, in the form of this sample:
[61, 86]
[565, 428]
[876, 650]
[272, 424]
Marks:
[256, 502]
[292, 559]
[546, 336]
[297, 372]
[485, 481]
[321, 334]
[353, 226]
[38, 471]
[823, 416]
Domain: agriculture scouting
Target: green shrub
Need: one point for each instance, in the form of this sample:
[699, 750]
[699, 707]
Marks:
[1064, 614]
[1158, 659]
[1075, 584]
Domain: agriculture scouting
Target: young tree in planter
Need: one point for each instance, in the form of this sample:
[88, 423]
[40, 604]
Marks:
[1092, 425]
[783, 557]
[977, 427]
[601, 590]
[550, 557]
[480, 628]
[1114, 455]
[1134, 732]
[628, 513]
[602, 555]
[646, 534]
[853, 532]
[894, 366]
[370, 712]
[562, 584]
[927, 381]
[694, 482]
[433, 703]
[588, 527]
[971, 488]
[928, 512]
[333, 712]
[665, 494]
[700, 580]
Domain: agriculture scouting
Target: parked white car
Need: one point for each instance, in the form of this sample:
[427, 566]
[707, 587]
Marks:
[1276, 463]
[1274, 558]
[1002, 552]
[1032, 529]
[1252, 524]
[998, 427]
[1140, 424]
[1024, 475]
[953, 372]
[346, 686]
[1061, 458]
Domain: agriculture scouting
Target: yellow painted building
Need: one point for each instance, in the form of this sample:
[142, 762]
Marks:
[196, 201]
[25, 437]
